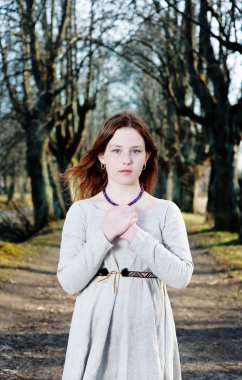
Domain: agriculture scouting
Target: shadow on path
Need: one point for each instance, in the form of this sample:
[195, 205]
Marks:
[28, 269]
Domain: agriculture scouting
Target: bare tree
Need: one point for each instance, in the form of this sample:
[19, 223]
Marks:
[194, 73]
[12, 158]
[42, 85]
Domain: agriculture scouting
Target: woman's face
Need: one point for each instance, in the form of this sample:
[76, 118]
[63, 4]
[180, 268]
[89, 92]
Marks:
[125, 156]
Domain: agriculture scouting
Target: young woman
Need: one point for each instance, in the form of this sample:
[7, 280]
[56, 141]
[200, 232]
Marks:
[120, 248]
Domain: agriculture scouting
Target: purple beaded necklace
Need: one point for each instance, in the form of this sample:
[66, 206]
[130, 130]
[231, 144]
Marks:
[129, 204]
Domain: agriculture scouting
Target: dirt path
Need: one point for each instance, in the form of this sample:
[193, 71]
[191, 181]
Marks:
[35, 315]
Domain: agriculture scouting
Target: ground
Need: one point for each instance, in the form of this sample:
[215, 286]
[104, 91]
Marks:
[35, 317]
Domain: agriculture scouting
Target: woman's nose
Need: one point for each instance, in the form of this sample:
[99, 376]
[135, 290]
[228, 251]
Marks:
[126, 158]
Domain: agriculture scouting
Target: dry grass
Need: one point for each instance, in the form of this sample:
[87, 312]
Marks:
[222, 245]
[14, 255]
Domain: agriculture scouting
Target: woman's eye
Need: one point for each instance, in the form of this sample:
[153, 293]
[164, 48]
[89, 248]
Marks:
[118, 150]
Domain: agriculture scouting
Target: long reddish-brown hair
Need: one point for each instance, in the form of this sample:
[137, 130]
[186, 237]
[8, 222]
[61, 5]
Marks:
[87, 178]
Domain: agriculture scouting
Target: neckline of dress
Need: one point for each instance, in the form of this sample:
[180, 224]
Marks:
[138, 211]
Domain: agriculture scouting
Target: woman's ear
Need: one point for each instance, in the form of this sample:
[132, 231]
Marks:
[100, 157]
[147, 156]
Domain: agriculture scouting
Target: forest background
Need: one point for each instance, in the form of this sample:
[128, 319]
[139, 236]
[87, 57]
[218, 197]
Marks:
[68, 65]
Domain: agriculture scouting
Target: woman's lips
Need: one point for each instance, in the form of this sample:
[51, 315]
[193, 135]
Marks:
[125, 171]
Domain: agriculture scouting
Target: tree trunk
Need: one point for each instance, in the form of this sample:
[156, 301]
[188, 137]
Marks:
[11, 189]
[23, 187]
[182, 187]
[58, 201]
[225, 208]
[37, 173]
[187, 191]
[63, 164]
[176, 187]
[160, 190]
[211, 196]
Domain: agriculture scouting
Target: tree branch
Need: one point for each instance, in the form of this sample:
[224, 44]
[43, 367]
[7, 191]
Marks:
[230, 45]
[15, 102]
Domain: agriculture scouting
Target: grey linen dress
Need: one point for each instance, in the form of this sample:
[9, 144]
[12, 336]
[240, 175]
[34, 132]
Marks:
[128, 334]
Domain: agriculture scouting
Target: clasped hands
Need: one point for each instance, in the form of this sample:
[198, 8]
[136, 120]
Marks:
[120, 221]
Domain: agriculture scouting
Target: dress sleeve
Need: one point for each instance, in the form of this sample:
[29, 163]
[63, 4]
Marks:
[79, 259]
[171, 261]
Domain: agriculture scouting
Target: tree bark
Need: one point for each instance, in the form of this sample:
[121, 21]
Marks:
[225, 206]
[63, 164]
[187, 192]
[35, 165]
[59, 195]
[211, 196]
[176, 186]
[160, 190]
[11, 189]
